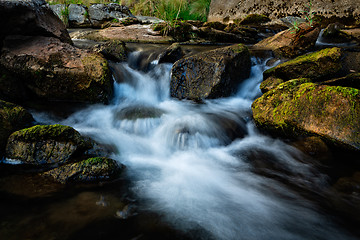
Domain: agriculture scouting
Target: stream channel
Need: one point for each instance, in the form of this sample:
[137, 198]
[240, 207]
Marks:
[187, 176]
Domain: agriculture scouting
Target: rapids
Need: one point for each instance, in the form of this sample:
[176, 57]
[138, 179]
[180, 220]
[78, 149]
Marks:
[184, 163]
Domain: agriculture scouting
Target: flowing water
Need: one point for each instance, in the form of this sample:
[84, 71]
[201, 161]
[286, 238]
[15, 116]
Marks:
[185, 164]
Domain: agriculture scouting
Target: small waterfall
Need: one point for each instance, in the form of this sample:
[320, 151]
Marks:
[205, 166]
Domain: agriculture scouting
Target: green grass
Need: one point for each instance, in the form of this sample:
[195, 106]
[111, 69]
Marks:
[168, 10]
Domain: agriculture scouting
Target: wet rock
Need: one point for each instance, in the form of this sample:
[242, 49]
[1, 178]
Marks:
[315, 66]
[30, 17]
[315, 148]
[12, 118]
[52, 70]
[46, 145]
[138, 111]
[329, 112]
[89, 170]
[333, 34]
[113, 50]
[171, 54]
[211, 74]
[291, 42]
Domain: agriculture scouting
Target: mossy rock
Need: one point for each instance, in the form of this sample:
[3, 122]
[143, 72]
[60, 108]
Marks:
[12, 118]
[89, 170]
[329, 112]
[316, 66]
[46, 145]
[210, 74]
[270, 83]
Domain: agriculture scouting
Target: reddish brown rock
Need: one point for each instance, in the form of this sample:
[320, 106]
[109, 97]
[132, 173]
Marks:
[291, 42]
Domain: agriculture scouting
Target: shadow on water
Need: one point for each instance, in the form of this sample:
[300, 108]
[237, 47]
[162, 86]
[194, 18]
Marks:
[194, 171]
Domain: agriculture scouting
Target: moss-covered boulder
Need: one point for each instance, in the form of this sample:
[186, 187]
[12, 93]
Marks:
[46, 145]
[329, 112]
[210, 74]
[316, 66]
[89, 170]
[291, 42]
[48, 69]
[12, 118]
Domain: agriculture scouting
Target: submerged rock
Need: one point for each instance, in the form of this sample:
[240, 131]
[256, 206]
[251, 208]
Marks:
[89, 170]
[211, 74]
[52, 70]
[329, 112]
[291, 42]
[12, 118]
[46, 145]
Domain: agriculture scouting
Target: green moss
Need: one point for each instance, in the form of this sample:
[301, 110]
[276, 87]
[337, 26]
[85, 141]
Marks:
[333, 53]
[42, 132]
[314, 65]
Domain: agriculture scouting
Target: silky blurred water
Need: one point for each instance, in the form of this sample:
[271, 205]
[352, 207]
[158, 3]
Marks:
[185, 165]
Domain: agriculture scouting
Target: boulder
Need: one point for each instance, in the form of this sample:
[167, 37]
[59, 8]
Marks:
[171, 54]
[12, 118]
[275, 9]
[78, 16]
[294, 109]
[52, 70]
[291, 42]
[210, 74]
[115, 50]
[101, 13]
[316, 66]
[30, 17]
[89, 170]
[46, 145]
[333, 34]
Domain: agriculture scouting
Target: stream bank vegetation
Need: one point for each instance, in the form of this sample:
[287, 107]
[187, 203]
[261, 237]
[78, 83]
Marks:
[168, 10]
